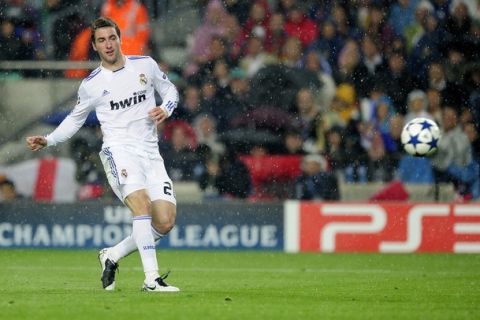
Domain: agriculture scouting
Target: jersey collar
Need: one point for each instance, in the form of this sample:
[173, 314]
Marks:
[128, 66]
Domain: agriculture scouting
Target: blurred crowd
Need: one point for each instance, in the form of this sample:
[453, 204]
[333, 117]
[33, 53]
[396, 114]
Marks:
[327, 85]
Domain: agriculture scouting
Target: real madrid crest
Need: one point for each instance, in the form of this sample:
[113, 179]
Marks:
[124, 173]
[143, 79]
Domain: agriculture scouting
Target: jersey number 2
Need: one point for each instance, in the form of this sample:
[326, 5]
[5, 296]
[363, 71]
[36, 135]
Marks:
[167, 189]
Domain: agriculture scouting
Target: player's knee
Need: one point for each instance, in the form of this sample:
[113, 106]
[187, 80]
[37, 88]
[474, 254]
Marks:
[165, 225]
[144, 205]
[139, 203]
[168, 227]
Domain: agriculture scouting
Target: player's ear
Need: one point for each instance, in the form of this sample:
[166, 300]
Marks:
[94, 46]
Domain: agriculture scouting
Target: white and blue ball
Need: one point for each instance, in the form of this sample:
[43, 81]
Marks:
[420, 137]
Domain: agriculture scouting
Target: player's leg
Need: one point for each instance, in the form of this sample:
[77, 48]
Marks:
[163, 219]
[123, 168]
[164, 214]
[109, 257]
[108, 264]
[140, 205]
[160, 189]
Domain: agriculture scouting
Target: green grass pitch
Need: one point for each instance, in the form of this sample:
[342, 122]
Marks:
[61, 284]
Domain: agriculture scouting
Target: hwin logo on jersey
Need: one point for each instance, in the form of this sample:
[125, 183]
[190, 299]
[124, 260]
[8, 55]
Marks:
[128, 102]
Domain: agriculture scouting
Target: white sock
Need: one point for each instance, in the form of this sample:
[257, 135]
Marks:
[128, 245]
[156, 234]
[142, 234]
[122, 249]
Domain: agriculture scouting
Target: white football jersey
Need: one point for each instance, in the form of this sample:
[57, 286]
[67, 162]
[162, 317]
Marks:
[121, 99]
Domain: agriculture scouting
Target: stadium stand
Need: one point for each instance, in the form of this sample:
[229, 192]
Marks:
[357, 61]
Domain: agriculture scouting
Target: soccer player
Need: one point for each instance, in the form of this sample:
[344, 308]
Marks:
[121, 91]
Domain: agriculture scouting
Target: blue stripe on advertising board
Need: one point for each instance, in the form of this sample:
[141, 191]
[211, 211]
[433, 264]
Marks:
[95, 225]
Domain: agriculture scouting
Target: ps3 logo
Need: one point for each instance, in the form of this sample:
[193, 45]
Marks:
[330, 227]
[414, 230]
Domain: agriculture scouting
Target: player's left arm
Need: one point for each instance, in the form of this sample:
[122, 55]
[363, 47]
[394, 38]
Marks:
[168, 92]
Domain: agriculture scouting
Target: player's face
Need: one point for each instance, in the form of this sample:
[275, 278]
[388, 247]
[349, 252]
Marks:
[107, 45]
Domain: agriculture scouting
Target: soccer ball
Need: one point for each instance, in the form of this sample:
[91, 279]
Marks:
[420, 137]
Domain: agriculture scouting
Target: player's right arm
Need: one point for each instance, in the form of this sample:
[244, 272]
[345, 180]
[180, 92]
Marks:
[69, 126]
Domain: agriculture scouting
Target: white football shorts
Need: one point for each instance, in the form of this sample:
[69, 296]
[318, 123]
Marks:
[129, 169]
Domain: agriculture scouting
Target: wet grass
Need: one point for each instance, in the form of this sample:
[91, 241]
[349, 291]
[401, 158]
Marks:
[59, 284]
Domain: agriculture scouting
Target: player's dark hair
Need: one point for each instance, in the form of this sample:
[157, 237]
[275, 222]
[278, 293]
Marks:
[103, 22]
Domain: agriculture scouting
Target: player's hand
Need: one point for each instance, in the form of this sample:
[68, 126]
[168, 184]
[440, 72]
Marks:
[158, 114]
[36, 143]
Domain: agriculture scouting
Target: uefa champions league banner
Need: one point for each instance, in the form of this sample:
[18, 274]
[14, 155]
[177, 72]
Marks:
[98, 225]
[293, 227]
[382, 227]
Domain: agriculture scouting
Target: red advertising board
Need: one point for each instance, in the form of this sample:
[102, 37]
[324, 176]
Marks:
[390, 227]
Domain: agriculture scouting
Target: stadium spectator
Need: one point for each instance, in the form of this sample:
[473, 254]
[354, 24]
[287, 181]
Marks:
[428, 47]
[472, 84]
[308, 115]
[226, 176]
[257, 25]
[397, 81]
[206, 132]
[329, 43]
[238, 8]
[221, 73]
[318, 65]
[434, 108]
[350, 69]
[458, 22]
[371, 66]
[335, 151]
[255, 57]
[213, 25]
[133, 21]
[316, 182]
[276, 39]
[65, 21]
[455, 65]
[26, 19]
[344, 106]
[345, 28]
[452, 93]
[239, 90]
[471, 130]
[216, 103]
[12, 47]
[8, 192]
[402, 14]
[382, 166]
[178, 150]
[291, 52]
[189, 107]
[415, 30]
[441, 8]
[417, 103]
[283, 6]
[217, 51]
[292, 143]
[453, 162]
[300, 26]
[377, 27]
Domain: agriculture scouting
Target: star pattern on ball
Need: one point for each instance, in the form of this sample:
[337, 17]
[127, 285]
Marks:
[414, 140]
[433, 143]
[426, 125]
